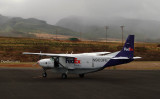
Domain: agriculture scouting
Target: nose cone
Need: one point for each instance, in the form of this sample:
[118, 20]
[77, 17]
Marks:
[45, 63]
[41, 62]
[38, 62]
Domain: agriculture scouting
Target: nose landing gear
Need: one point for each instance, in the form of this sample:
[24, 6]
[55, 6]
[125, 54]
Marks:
[44, 74]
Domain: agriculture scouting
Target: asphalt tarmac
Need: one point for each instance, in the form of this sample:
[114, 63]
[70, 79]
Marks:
[107, 84]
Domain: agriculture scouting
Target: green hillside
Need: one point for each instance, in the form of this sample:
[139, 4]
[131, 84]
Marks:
[19, 27]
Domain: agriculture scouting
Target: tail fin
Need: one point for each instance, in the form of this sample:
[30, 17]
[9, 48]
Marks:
[125, 55]
[128, 48]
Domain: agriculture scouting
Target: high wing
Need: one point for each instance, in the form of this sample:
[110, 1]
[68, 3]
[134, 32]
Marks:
[49, 54]
[65, 55]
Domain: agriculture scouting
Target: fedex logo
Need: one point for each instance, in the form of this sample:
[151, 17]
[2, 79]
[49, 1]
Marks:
[128, 49]
[77, 61]
[73, 60]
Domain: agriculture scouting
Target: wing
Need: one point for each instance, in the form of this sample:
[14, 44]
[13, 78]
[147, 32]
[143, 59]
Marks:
[48, 54]
[66, 55]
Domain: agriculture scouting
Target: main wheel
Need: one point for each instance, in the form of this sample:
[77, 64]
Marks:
[44, 74]
[64, 76]
[81, 75]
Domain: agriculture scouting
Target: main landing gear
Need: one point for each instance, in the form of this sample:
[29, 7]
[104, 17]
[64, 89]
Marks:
[64, 76]
[81, 75]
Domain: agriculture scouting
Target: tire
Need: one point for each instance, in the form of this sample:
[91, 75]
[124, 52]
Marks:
[64, 76]
[81, 75]
[44, 75]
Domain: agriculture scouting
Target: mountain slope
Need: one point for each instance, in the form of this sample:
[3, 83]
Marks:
[12, 26]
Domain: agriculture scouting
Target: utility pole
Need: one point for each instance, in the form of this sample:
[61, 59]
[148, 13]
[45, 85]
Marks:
[56, 33]
[122, 27]
[81, 36]
[106, 33]
[106, 38]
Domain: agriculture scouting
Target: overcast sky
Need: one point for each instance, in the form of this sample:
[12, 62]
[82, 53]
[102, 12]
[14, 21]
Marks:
[54, 10]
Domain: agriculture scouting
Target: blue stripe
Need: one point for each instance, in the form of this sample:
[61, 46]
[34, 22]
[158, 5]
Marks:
[114, 62]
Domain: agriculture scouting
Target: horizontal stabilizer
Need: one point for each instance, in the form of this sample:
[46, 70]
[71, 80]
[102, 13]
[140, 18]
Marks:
[137, 57]
[126, 58]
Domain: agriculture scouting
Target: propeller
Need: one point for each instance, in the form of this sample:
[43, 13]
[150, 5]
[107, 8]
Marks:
[34, 65]
[40, 57]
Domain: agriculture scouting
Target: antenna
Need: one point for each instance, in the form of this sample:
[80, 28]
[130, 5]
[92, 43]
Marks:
[56, 33]
[67, 52]
[72, 52]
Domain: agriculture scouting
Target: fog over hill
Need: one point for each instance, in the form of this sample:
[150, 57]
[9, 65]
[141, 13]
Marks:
[144, 30]
[91, 28]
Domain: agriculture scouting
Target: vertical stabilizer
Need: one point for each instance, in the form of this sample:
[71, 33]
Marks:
[128, 48]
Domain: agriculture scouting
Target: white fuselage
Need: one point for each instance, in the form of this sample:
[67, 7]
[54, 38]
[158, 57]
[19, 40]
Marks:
[78, 63]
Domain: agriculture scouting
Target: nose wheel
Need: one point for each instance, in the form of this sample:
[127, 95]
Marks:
[44, 74]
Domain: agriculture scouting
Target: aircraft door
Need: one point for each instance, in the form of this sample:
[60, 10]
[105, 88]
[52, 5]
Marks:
[55, 61]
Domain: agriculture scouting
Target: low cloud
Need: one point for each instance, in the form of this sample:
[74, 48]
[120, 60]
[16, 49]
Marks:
[54, 10]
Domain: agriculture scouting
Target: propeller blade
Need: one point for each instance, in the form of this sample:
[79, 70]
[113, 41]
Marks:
[34, 65]
[40, 56]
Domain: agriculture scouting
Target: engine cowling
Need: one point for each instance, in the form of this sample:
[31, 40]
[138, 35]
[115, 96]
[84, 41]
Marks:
[46, 63]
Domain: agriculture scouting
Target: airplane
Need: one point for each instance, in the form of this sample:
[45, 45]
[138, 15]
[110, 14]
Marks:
[84, 63]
